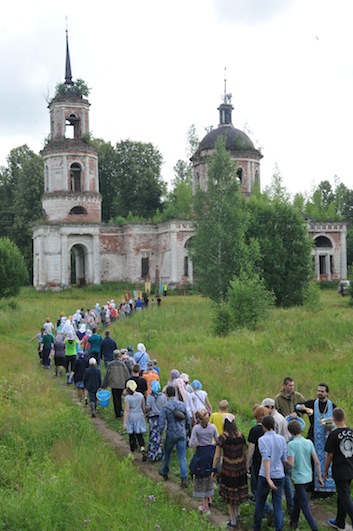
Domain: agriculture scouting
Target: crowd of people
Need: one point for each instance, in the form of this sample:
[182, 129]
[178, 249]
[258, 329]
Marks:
[274, 455]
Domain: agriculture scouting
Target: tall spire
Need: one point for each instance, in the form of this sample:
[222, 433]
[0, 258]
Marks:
[226, 107]
[68, 75]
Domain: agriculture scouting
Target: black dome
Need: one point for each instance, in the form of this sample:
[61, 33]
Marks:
[236, 140]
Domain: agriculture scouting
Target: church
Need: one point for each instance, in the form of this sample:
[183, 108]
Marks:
[71, 245]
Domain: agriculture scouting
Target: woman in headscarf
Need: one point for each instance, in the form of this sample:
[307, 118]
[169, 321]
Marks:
[134, 417]
[154, 403]
[202, 435]
[141, 357]
[233, 484]
[199, 397]
[59, 355]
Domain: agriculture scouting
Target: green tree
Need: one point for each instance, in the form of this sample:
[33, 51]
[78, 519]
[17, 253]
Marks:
[218, 248]
[321, 206]
[21, 188]
[249, 301]
[13, 272]
[108, 179]
[130, 179]
[277, 190]
[285, 257]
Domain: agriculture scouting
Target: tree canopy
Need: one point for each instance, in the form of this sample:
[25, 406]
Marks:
[13, 272]
[21, 188]
[218, 248]
[130, 179]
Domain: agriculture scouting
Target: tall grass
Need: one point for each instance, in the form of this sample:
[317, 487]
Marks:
[56, 471]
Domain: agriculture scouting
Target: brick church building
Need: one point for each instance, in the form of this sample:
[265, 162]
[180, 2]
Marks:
[73, 246]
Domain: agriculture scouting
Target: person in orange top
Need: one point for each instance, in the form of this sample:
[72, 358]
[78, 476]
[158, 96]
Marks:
[150, 375]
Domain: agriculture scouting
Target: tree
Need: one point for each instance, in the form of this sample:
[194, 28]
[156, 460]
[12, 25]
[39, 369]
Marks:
[218, 248]
[277, 190]
[249, 301]
[21, 188]
[321, 206]
[285, 257]
[108, 180]
[130, 179]
[13, 272]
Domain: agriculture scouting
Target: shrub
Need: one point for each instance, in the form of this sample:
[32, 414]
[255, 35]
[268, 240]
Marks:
[222, 319]
[13, 271]
[312, 297]
[249, 302]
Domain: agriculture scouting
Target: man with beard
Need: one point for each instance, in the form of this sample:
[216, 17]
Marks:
[318, 410]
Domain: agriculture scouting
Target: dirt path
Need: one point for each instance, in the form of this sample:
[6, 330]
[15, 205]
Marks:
[173, 490]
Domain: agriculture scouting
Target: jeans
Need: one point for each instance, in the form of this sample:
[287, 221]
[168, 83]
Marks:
[181, 449]
[117, 393]
[288, 490]
[253, 484]
[261, 495]
[301, 503]
[344, 502]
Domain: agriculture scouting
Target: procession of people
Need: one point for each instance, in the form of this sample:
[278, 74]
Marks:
[275, 456]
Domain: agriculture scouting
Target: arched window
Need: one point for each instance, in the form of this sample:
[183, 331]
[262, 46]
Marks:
[240, 175]
[72, 126]
[80, 210]
[322, 241]
[75, 177]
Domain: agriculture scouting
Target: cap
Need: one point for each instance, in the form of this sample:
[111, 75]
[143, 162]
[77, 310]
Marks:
[268, 402]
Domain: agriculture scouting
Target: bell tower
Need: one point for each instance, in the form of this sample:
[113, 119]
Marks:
[66, 243]
[71, 186]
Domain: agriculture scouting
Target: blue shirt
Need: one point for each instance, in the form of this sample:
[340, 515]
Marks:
[273, 448]
[141, 359]
[176, 429]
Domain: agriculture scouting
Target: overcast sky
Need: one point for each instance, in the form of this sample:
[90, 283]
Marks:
[157, 67]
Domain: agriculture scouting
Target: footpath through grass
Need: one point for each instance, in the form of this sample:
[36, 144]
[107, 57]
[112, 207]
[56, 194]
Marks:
[57, 473]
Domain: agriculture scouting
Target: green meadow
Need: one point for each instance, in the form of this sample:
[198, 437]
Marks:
[56, 471]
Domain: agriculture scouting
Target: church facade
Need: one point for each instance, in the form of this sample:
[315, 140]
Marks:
[72, 246]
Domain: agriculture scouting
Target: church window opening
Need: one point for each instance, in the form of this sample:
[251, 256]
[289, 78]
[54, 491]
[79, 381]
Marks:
[78, 210]
[186, 266]
[75, 177]
[322, 263]
[240, 175]
[145, 267]
[323, 241]
[72, 129]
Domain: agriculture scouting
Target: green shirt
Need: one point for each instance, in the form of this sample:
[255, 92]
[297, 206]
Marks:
[71, 349]
[301, 449]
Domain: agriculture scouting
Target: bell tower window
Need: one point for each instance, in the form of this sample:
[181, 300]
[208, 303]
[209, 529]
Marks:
[75, 177]
[72, 129]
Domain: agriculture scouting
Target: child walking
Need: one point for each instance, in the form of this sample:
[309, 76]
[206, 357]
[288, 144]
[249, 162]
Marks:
[300, 452]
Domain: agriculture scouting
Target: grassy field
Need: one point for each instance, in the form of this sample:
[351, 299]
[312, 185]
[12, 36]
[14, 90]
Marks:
[57, 473]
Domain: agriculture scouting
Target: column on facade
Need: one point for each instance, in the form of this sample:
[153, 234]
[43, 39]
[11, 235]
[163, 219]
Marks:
[96, 260]
[328, 266]
[65, 261]
[317, 266]
[66, 174]
[174, 258]
[343, 253]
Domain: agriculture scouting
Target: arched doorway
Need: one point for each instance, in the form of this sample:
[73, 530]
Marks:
[78, 265]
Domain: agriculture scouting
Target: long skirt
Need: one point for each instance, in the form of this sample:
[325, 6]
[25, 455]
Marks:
[155, 441]
[203, 486]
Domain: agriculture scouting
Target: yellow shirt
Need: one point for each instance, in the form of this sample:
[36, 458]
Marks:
[217, 420]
